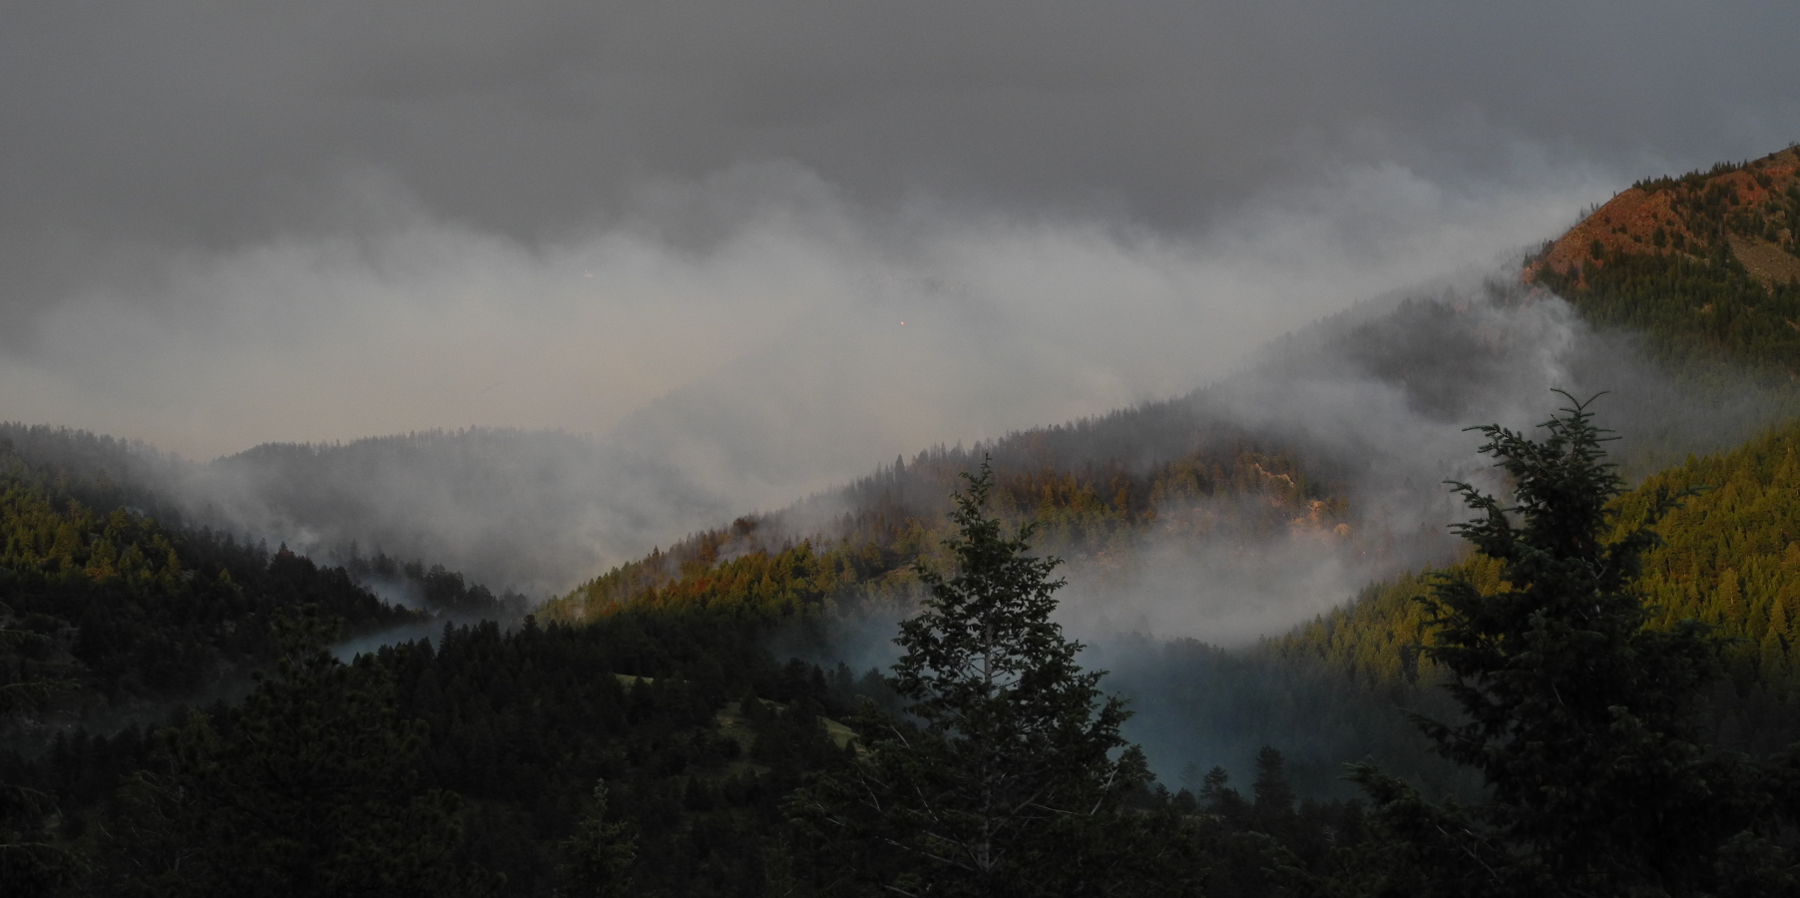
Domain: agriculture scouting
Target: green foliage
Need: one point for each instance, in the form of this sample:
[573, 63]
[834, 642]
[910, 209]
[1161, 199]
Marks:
[1688, 292]
[484, 744]
[1271, 845]
[30, 862]
[436, 588]
[1690, 181]
[1727, 558]
[489, 740]
[124, 610]
[1575, 712]
[1006, 773]
[758, 570]
[310, 787]
[598, 855]
[1698, 313]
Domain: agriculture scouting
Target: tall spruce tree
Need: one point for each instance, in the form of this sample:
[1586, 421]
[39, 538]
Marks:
[1577, 713]
[597, 857]
[1005, 774]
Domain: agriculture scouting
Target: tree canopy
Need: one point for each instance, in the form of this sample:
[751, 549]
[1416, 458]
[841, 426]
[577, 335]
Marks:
[1005, 773]
[1576, 713]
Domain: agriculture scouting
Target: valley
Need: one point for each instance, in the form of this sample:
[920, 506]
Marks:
[446, 632]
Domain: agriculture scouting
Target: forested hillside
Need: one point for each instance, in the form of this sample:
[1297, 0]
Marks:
[1086, 509]
[184, 705]
[1689, 233]
[1707, 265]
[1729, 559]
[115, 610]
[458, 761]
[475, 761]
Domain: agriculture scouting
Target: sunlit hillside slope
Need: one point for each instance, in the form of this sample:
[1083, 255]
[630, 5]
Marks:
[1706, 265]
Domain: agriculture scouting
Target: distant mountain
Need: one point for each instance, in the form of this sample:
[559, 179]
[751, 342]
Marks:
[1366, 406]
[1279, 493]
[532, 511]
[1244, 558]
[1750, 209]
[1706, 265]
[1675, 289]
[1354, 423]
[123, 614]
[520, 510]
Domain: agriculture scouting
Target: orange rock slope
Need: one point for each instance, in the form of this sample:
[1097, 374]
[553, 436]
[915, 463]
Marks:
[1751, 208]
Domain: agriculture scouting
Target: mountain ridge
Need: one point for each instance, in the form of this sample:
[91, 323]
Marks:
[1750, 208]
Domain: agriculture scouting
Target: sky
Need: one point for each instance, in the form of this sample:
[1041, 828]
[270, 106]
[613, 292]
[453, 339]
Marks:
[836, 231]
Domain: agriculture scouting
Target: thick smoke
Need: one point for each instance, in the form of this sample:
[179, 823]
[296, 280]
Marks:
[1378, 403]
[610, 273]
[728, 347]
[170, 127]
[691, 234]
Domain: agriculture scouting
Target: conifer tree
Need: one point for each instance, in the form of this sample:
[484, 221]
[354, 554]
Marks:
[1274, 807]
[1005, 774]
[1576, 713]
[597, 858]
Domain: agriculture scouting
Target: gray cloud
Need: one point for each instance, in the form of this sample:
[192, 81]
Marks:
[693, 229]
[757, 300]
[792, 346]
[1377, 402]
[191, 121]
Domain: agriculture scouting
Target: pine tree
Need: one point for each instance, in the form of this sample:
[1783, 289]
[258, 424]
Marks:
[597, 858]
[1274, 807]
[1005, 774]
[1576, 713]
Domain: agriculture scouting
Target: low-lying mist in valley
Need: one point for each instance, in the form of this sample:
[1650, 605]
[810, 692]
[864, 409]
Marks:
[1376, 404]
[507, 440]
[1372, 403]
